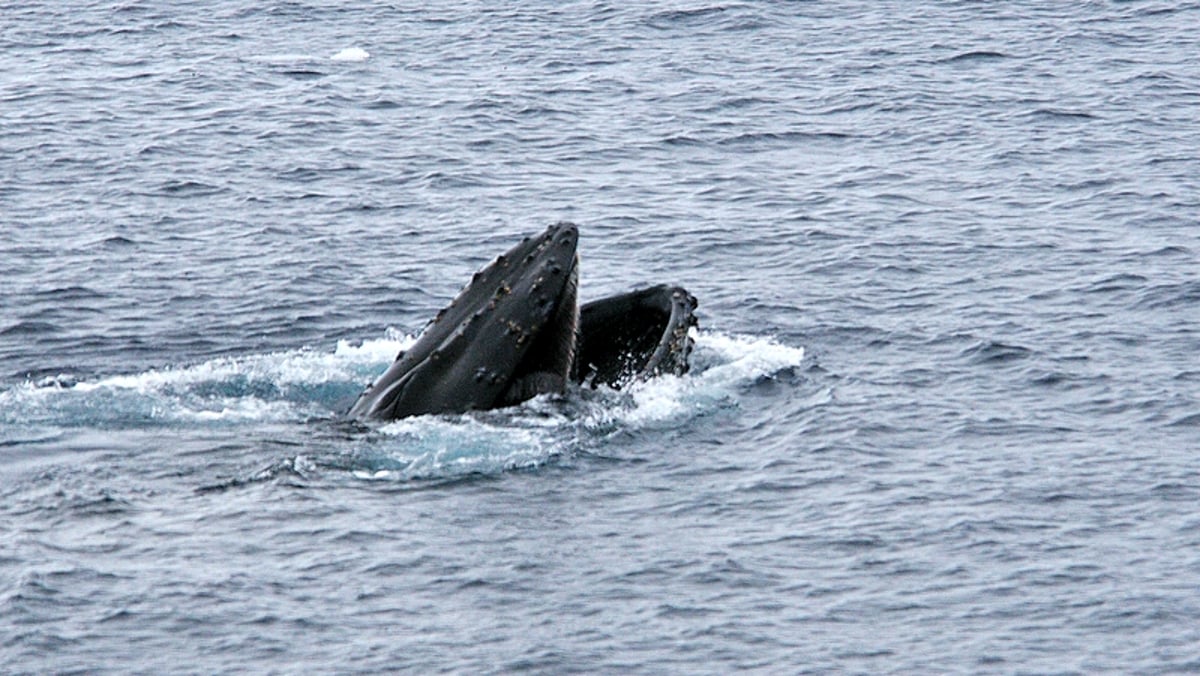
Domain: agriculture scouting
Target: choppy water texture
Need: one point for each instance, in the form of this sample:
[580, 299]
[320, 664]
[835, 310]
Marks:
[945, 411]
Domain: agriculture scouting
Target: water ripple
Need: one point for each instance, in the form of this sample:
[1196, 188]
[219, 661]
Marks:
[977, 221]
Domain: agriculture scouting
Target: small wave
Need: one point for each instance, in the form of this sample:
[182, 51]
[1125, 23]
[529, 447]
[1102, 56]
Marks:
[70, 293]
[975, 57]
[994, 352]
[683, 17]
[114, 242]
[1057, 115]
[302, 73]
[300, 66]
[682, 140]
[300, 175]
[13, 436]
[765, 138]
[1165, 296]
[1169, 251]
[299, 466]
[1191, 420]
[29, 328]
[383, 104]
[1119, 282]
[176, 188]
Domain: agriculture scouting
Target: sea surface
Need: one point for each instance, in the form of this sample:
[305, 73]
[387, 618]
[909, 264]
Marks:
[944, 410]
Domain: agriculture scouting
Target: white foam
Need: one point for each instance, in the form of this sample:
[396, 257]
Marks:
[451, 446]
[233, 410]
[351, 54]
[376, 350]
[724, 364]
[271, 386]
[743, 358]
[304, 366]
[293, 385]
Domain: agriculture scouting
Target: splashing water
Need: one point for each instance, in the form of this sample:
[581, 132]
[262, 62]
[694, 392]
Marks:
[308, 385]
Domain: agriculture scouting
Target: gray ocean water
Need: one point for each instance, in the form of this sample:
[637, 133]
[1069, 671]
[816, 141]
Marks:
[944, 411]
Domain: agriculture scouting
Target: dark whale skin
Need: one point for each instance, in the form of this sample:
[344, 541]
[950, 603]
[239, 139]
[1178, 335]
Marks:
[476, 354]
[634, 336]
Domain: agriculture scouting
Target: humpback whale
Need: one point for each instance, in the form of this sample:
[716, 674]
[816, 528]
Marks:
[517, 331]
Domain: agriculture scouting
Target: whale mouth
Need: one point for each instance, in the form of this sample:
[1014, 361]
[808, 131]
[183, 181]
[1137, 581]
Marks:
[636, 335]
[516, 330]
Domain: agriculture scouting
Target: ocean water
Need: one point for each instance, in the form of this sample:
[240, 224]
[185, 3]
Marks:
[944, 411]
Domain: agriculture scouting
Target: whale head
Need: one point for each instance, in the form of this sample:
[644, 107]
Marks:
[508, 336]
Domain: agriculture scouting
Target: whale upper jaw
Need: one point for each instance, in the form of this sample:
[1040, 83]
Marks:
[509, 335]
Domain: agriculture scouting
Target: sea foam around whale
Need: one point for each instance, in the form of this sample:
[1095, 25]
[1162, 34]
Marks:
[310, 386]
